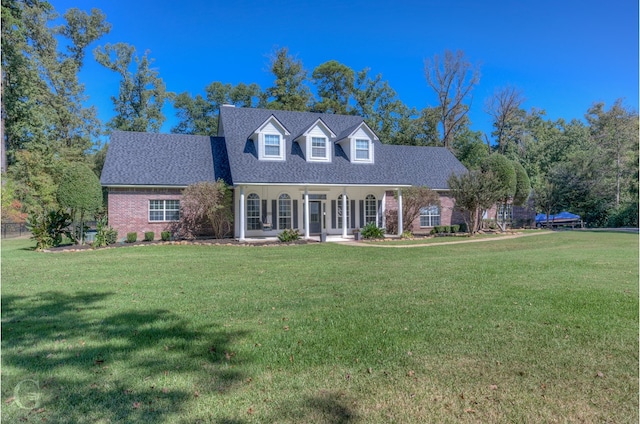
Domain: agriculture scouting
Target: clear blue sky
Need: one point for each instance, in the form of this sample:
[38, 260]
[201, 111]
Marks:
[563, 55]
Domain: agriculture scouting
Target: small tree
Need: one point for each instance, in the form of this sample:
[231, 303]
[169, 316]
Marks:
[413, 199]
[80, 192]
[208, 203]
[523, 185]
[473, 192]
[503, 171]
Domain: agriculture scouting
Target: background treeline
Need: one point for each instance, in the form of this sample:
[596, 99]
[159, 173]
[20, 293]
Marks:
[588, 167]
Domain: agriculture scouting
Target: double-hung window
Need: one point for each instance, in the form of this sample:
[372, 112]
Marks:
[284, 211]
[370, 209]
[253, 212]
[362, 149]
[272, 145]
[430, 216]
[318, 148]
[164, 210]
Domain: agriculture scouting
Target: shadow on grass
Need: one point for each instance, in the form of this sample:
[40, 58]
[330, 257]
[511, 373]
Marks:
[90, 364]
[323, 407]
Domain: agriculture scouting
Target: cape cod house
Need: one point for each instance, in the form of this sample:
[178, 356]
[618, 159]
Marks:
[319, 173]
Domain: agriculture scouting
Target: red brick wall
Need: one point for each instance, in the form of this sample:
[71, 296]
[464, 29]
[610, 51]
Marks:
[448, 215]
[128, 210]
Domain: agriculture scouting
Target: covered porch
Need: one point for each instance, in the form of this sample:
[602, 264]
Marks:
[315, 211]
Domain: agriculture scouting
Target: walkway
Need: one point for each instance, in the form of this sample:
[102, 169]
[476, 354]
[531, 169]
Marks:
[466, 240]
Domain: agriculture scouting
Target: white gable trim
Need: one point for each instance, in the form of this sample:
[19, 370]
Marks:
[319, 122]
[267, 131]
[274, 121]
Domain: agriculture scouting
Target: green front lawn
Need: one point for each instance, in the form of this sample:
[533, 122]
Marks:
[534, 329]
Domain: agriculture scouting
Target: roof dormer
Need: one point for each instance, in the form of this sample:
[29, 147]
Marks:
[270, 139]
[358, 143]
[315, 142]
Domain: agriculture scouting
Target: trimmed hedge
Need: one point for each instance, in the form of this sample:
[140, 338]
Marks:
[149, 235]
[131, 237]
[165, 235]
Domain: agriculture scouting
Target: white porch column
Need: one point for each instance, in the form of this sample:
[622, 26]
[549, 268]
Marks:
[344, 213]
[241, 214]
[399, 212]
[306, 213]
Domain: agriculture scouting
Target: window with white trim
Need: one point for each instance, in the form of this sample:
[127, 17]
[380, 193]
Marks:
[430, 216]
[506, 210]
[318, 148]
[253, 212]
[370, 209]
[164, 210]
[284, 211]
[362, 149]
[340, 212]
[272, 145]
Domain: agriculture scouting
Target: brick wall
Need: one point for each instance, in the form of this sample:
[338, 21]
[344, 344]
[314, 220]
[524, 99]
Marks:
[128, 210]
[448, 215]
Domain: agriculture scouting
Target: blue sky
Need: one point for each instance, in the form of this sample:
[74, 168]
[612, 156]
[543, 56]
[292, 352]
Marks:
[563, 55]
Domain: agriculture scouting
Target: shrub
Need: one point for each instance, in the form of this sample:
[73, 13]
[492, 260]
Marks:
[289, 235]
[48, 228]
[462, 227]
[391, 221]
[132, 237]
[442, 229]
[371, 231]
[406, 235]
[165, 235]
[455, 228]
[80, 192]
[149, 235]
[206, 205]
[105, 235]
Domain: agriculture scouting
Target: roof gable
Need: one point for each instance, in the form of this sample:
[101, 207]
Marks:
[151, 159]
[317, 123]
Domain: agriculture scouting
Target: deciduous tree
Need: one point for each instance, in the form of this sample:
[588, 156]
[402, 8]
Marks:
[508, 119]
[142, 94]
[452, 77]
[503, 171]
[414, 199]
[199, 115]
[474, 192]
[209, 204]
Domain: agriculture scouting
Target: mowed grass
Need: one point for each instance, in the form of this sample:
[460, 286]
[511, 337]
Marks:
[528, 330]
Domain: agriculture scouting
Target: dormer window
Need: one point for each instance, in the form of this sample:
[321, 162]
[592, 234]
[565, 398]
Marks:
[272, 145]
[269, 139]
[358, 143]
[362, 149]
[314, 142]
[318, 148]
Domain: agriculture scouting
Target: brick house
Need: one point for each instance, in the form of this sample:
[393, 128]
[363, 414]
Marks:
[286, 169]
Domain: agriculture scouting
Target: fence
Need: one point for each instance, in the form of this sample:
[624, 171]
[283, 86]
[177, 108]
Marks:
[14, 229]
[17, 229]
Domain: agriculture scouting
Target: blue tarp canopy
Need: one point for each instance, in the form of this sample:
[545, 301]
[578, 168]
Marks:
[562, 216]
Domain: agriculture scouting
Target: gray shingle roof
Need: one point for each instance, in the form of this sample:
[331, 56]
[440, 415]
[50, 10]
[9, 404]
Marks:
[394, 165]
[163, 159]
[179, 160]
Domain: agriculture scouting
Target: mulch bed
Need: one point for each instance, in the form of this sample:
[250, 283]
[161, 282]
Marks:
[203, 242]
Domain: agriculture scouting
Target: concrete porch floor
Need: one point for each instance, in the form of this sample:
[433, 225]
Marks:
[330, 239]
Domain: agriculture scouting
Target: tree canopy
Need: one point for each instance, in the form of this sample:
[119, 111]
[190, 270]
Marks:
[588, 166]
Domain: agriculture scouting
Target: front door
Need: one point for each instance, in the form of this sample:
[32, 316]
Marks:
[315, 217]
